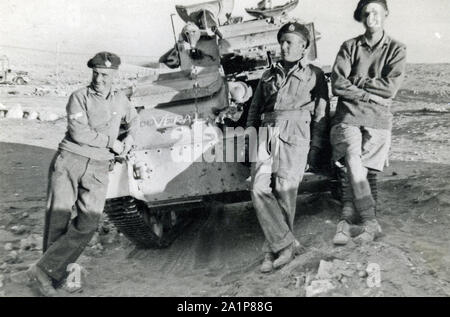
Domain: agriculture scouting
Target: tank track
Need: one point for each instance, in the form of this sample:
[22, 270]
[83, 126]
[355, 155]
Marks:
[130, 216]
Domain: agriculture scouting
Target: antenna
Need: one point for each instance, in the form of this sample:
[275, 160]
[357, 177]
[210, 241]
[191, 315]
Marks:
[173, 28]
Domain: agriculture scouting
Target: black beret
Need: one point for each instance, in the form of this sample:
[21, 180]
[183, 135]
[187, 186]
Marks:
[363, 3]
[104, 60]
[296, 28]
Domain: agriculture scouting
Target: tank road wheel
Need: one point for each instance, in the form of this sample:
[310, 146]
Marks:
[145, 227]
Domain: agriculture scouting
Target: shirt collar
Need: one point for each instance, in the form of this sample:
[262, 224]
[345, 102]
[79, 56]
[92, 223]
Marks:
[383, 42]
[92, 91]
[301, 65]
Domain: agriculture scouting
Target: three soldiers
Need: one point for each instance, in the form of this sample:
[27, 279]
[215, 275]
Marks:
[290, 103]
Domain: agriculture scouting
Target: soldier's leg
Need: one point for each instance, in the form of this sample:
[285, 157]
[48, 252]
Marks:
[89, 206]
[373, 183]
[375, 149]
[292, 160]
[348, 213]
[348, 208]
[292, 163]
[347, 143]
[270, 216]
[61, 195]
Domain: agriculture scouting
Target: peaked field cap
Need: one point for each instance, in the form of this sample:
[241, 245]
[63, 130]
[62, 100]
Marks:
[104, 60]
[363, 3]
[295, 28]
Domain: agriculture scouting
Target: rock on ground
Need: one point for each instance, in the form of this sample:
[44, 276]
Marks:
[48, 116]
[319, 287]
[15, 112]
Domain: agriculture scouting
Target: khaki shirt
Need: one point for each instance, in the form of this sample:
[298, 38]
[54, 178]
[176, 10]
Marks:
[93, 122]
[303, 88]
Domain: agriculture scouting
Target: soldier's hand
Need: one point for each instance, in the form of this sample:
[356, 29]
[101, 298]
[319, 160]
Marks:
[358, 81]
[118, 147]
[380, 100]
[128, 143]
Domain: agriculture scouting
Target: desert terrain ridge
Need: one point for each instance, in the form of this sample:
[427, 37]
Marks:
[219, 255]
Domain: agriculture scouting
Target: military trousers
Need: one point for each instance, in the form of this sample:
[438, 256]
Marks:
[276, 175]
[75, 201]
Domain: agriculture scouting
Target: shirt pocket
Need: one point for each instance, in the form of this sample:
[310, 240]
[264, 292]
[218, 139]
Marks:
[99, 117]
[269, 86]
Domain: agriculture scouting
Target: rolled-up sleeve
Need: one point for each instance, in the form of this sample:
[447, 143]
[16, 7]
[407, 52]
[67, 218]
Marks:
[78, 125]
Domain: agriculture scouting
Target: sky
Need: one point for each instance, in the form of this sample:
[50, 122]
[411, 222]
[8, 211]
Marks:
[143, 28]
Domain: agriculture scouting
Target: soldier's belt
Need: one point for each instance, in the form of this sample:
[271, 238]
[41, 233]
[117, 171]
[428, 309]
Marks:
[286, 115]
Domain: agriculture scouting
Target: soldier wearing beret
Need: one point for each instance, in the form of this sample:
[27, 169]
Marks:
[291, 96]
[78, 176]
[366, 76]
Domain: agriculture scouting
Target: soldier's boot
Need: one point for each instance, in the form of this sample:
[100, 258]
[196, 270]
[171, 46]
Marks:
[41, 281]
[371, 229]
[342, 236]
[285, 256]
[348, 216]
[298, 248]
[267, 265]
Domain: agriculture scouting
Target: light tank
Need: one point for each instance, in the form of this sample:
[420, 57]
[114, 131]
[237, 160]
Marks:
[183, 160]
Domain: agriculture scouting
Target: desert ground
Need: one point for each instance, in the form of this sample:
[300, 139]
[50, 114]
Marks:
[220, 253]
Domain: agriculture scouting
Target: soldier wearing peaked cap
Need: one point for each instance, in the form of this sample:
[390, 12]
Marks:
[78, 177]
[366, 76]
[289, 104]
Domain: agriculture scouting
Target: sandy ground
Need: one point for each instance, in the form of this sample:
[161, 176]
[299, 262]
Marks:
[219, 255]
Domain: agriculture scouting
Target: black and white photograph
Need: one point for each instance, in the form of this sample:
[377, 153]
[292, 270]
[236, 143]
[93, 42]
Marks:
[245, 150]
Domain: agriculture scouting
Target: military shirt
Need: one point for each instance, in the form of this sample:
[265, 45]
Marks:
[303, 88]
[94, 122]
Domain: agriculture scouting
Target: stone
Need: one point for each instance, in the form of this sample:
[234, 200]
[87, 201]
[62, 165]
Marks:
[325, 270]
[19, 278]
[20, 229]
[8, 246]
[319, 287]
[2, 106]
[33, 115]
[13, 257]
[6, 236]
[15, 112]
[32, 242]
[48, 116]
